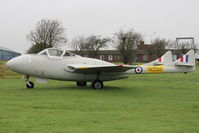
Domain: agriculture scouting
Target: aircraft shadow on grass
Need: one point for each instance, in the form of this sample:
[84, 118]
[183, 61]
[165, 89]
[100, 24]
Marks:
[71, 87]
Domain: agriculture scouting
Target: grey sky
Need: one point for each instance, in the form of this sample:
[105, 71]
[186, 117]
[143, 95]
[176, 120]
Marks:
[164, 18]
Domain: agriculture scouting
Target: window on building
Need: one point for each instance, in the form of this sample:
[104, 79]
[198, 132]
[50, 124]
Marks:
[145, 57]
[136, 59]
[117, 57]
[110, 57]
[174, 57]
[135, 47]
[101, 57]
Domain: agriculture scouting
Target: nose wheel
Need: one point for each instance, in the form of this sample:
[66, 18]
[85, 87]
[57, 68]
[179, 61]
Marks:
[97, 84]
[29, 85]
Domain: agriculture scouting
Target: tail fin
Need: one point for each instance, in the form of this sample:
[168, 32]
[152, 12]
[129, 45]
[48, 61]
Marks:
[187, 60]
[166, 58]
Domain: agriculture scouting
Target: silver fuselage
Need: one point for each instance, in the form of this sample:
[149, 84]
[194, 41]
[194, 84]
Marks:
[54, 68]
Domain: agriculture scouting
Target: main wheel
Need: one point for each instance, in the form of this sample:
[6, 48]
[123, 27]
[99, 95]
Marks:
[29, 84]
[97, 84]
[81, 83]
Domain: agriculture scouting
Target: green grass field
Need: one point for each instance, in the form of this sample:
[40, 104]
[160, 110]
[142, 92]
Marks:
[161, 103]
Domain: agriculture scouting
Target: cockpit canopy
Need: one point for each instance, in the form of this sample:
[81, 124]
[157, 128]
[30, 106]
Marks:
[53, 52]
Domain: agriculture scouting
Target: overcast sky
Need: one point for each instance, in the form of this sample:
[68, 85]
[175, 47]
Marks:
[163, 18]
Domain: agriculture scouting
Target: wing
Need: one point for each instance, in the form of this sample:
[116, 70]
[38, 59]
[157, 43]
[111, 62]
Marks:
[97, 69]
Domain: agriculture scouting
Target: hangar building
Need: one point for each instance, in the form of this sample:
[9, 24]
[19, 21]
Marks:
[6, 54]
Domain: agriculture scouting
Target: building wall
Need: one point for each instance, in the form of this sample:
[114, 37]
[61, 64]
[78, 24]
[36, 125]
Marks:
[6, 55]
[141, 56]
[116, 57]
[110, 57]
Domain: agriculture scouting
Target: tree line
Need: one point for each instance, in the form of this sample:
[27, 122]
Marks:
[51, 33]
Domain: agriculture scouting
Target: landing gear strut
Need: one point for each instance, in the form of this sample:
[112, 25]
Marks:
[29, 84]
[81, 83]
[97, 84]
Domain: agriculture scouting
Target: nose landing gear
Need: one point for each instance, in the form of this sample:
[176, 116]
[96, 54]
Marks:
[29, 84]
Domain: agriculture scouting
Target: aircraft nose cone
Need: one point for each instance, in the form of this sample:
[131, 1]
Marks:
[10, 64]
[19, 64]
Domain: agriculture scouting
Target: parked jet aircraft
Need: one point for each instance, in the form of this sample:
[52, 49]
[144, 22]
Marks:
[53, 63]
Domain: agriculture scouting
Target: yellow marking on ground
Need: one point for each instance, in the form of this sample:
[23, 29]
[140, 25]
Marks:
[155, 69]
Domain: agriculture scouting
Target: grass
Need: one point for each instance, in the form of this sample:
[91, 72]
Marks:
[162, 103]
[5, 73]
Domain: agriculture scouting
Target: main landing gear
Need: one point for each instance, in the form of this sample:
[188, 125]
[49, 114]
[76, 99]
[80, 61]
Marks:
[97, 84]
[81, 83]
[29, 84]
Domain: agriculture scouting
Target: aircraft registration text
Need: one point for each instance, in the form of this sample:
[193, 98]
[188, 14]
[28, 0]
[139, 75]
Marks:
[155, 69]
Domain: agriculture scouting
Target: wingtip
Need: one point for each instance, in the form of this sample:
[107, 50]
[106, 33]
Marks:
[121, 65]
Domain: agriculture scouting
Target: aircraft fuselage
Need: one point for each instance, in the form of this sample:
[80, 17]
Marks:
[54, 68]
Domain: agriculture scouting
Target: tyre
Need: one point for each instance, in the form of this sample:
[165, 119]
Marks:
[29, 85]
[97, 84]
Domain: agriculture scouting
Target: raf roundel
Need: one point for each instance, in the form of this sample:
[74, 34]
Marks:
[138, 70]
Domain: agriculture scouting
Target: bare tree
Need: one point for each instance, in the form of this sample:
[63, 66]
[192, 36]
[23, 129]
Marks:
[91, 44]
[184, 47]
[79, 43]
[94, 44]
[158, 47]
[48, 32]
[37, 48]
[126, 43]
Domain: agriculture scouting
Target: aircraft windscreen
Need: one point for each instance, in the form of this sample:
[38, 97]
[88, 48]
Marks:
[68, 54]
[43, 53]
[55, 52]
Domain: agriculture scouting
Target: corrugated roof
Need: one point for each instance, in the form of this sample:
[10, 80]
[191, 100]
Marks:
[7, 49]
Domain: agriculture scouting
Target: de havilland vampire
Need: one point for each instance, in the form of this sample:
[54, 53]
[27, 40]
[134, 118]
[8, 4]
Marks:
[57, 64]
